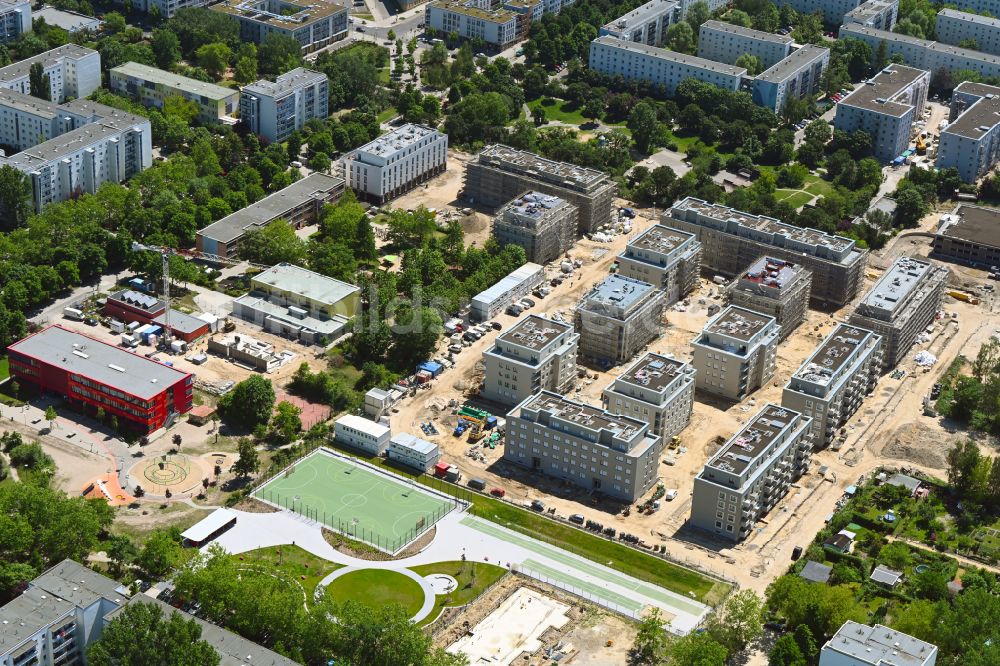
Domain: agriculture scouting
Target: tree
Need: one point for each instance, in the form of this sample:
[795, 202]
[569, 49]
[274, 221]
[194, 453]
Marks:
[697, 13]
[273, 244]
[278, 54]
[786, 652]
[121, 551]
[166, 47]
[643, 124]
[214, 58]
[140, 636]
[650, 645]
[50, 415]
[248, 462]
[751, 63]
[245, 70]
[417, 330]
[680, 37]
[697, 650]
[180, 109]
[249, 403]
[806, 642]
[739, 622]
[38, 82]
[115, 22]
[15, 197]
[161, 554]
[910, 206]
[286, 424]
[320, 162]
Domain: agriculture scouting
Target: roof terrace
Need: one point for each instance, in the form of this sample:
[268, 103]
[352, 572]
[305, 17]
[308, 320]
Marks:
[832, 355]
[738, 323]
[753, 440]
[535, 332]
[652, 371]
[541, 168]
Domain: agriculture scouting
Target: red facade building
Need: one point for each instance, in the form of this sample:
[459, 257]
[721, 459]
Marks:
[85, 371]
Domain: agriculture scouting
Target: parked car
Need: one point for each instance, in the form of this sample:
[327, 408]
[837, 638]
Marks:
[497, 492]
[538, 505]
[576, 518]
[796, 553]
[670, 495]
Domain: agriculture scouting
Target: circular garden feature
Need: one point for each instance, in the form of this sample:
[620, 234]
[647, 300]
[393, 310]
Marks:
[378, 588]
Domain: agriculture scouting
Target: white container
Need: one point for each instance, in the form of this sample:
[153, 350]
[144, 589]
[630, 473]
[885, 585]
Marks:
[117, 326]
[73, 313]
[129, 341]
[178, 346]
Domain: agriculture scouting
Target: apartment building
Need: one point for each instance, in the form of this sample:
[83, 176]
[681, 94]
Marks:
[275, 109]
[516, 285]
[614, 455]
[151, 87]
[312, 23]
[500, 173]
[15, 19]
[923, 53]
[735, 353]
[617, 318]
[299, 304]
[901, 304]
[731, 240]
[885, 107]
[878, 14]
[164, 8]
[639, 62]
[857, 644]
[796, 77]
[396, 162]
[471, 20]
[831, 10]
[831, 384]
[726, 42]
[72, 148]
[969, 235]
[543, 224]
[71, 22]
[971, 142]
[73, 71]
[646, 24]
[978, 6]
[536, 354]
[667, 258]
[299, 204]
[953, 26]
[745, 479]
[776, 288]
[656, 389]
[96, 375]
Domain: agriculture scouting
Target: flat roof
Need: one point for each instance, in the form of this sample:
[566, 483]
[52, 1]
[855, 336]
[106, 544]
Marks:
[366, 426]
[885, 35]
[879, 93]
[398, 140]
[894, 287]
[616, 291]
[21, 68]
[272, 12]
[639, 15]
[205, 527]
[753, 439]
[470, 8]
[787, 67]
[28, 104]
[106, 122]
[528, 272]
[271, 207]
[414, 443]
[879, 645]
[733, 29]
[541, 168]
[771, 273]
[182, 321]
[671, 56]
[867, 10]
[975, 224]
[585, 416]
[79, 585]
[981, 117]
[68, 21]
[816, 572]
[739, 323]
[535, 332]
[885, 575]
[531, 208]
[831, 355]
[27, 614]
[286, 83]
[971, 18]
[660, 238]
[175, 81]
[99, 361]
[301, 281]
[652, 371]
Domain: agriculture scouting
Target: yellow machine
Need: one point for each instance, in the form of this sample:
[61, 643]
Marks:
[962, 296]
[674, 443]
[921, 145]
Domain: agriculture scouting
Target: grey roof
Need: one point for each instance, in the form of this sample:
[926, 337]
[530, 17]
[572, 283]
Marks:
[659, 239]
[571, 417]
[971, 18]
[288, 82]
[836, 350]
[182, 322]
[739, 323]
[639, 15]
[654, 372]
[894, 288]
[617, 292]
[879, 92]
[733, 29]
[99, 361]
[413, 443]
[879, 646]
[27, 614]
[529, 272]
[886, 576]
[28, 104]
[975, 224]
[754, 439]
[788, 67]
[904, 481]
[206, 526]
[534, 332]
[672, 56]
[816, 572]
[981, 117]
[271, 207]
[297, 280]
[397, 141]
[106, 122]
[69, 21]
[328, 327]
[21, 68]
[563, 174]
[77, 584]
[175, 81]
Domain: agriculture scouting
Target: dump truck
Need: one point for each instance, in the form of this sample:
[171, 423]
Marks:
[963, 296]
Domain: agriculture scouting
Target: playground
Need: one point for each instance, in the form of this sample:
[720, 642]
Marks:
[359, 501]
[177, 472]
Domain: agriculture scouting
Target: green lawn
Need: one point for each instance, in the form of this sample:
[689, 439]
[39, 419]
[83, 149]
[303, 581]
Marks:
[293, 563]
[4, 368]
[561, 111]
[377, 588]
[794, 198]
[388, 114]
[818, 186]
[473, 578]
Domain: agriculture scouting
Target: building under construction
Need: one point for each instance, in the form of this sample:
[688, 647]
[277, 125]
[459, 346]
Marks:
[543, 224]
[665, 257]
[618, 318]
[500, 173]
[774, 287]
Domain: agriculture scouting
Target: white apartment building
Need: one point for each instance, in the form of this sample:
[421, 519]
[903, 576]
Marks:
[396, 162]
[473, 19]
[752, 471]
[796, 77]
[617, 318]
[584, 445]
[885, 106]
[878, 14]
[901, 304]
[412, 451]
[359, 432]
[151, 87]
[923, 53]
[164, 8]
[726, 42]
[646, 24]
[833, 382]
[953, 26]
[73, 148]
[73, 71]
[275, 110]
[536, 354]
[667, 258]
[862, 645]
[735, 353]
[312, 23]
[979, 6]
[656, 389]
[776, 288]
[639, 62]
[971, 142]
[15, 19]
[832, 10]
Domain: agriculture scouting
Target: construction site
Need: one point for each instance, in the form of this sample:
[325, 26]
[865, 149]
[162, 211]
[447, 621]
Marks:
[544, 225]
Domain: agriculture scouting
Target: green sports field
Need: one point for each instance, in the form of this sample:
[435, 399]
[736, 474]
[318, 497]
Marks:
[369, 505]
